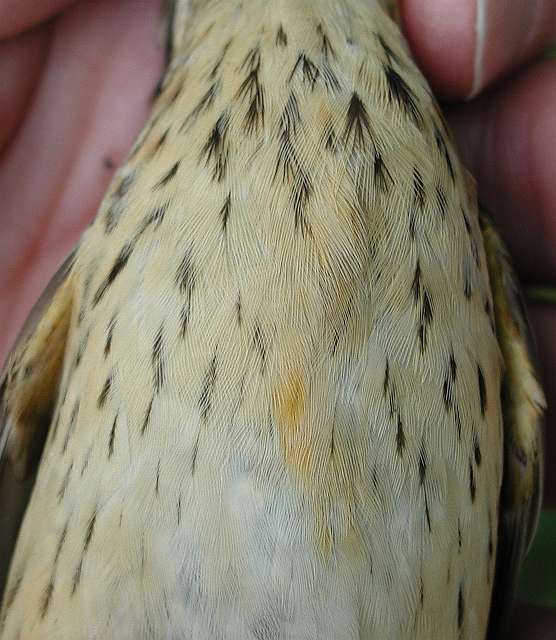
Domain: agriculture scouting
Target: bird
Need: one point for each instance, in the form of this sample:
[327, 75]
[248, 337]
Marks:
[284, 386]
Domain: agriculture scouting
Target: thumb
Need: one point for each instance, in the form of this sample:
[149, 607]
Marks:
[465, 45]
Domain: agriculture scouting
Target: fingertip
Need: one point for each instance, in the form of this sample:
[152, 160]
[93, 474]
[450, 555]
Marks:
[513, 32]
[464, 46]
[442, 38]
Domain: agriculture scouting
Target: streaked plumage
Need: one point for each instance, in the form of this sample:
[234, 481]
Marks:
[270, 373]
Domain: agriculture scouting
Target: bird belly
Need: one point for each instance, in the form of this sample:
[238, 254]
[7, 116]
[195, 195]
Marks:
[193, 514]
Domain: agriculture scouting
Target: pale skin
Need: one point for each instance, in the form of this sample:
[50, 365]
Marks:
[75, 85]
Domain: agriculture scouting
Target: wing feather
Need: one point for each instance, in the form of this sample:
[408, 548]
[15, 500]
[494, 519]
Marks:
[523, 405]
[28, 391]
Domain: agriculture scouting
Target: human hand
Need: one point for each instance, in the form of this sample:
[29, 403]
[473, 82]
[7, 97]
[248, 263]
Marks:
[76, 82]
[76, 79]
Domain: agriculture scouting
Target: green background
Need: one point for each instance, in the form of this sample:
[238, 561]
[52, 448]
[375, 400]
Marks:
[538, 577]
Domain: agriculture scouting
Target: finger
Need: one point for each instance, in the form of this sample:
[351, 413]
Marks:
[507, 138]
[464, 45]
[21, 61]
[543, 318]
[93, 97]
[18, 15]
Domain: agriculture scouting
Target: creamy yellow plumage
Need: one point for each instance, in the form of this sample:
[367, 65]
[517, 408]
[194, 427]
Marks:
[270, 371]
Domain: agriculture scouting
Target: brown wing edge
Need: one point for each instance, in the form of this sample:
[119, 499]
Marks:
[169, 16]
[523, 405]
[392, 9]
[173, 14]
[28, 390]
[176, 14]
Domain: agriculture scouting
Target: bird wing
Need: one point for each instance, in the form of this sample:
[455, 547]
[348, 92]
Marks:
[28, 390]
[523, 405]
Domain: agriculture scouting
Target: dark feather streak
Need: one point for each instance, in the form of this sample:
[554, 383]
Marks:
[302, 191]
[186, 280]
[418, 189]
[449, 382]
[472, 483]
[205, 399]
[204, 104]
[157, 359]
[215, 149]
[326, 47]
[147, 417]
[109, 336]
[390, 55]
[101, 401]
[251, 90]
[400, 437]
[290, 119]
[71, 426]
[218, 63]
[477, 452]
[46, 598]
[281, 37]
[168, 176]
[112, 437]
[381, 174]
[88, 536]
[224, 213]
[309, 70]
[443, 148]
[259, 344]
[425, 319]
[441, 200]
[358, 127]
[482, 390]
[117, 268]
[422, 465]
[64, 484]
[399, 91]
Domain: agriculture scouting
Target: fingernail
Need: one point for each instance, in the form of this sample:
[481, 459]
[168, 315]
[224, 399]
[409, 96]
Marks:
[505, 32]
[480, 39]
